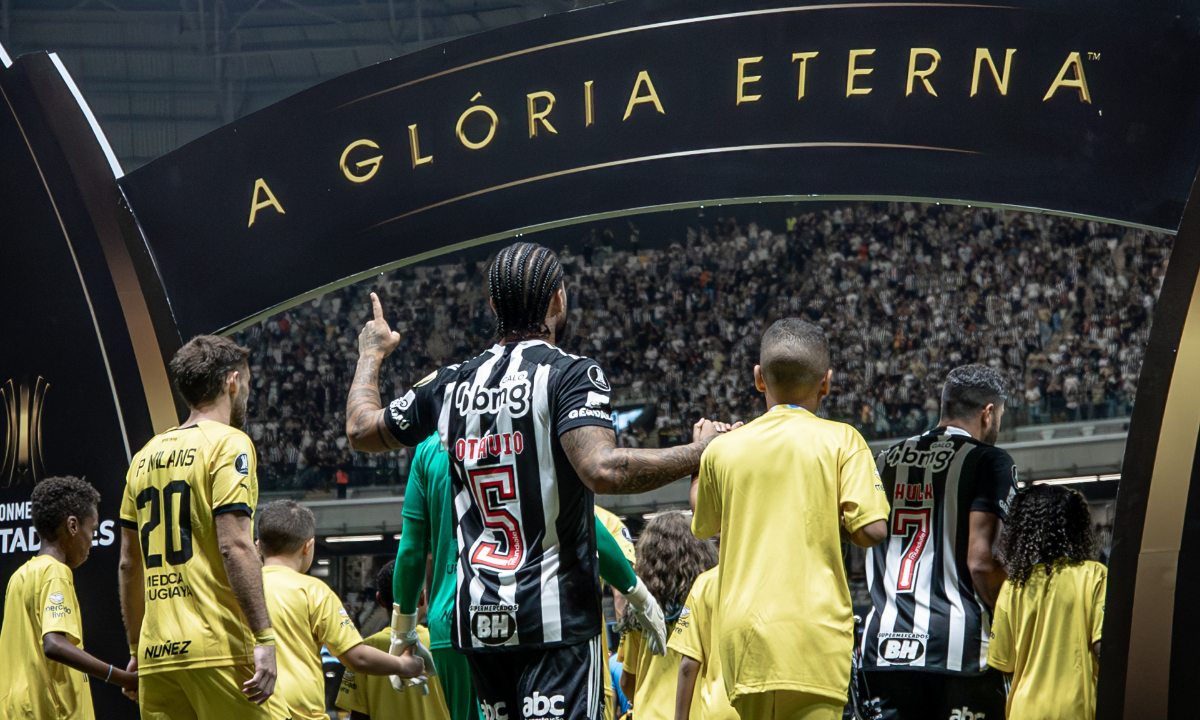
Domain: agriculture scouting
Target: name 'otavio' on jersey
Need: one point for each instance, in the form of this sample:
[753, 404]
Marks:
[527, 569]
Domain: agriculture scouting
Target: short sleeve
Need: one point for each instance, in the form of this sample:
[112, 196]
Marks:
[688, 636]
[1001, 646]
[1099, 591]
[331, 624]
[995, 482]
[234, 472]
[861, 494]
[412, 418]
[128, 506]
[706, 521]
[582, 396]
[352, 695]
[60, 607]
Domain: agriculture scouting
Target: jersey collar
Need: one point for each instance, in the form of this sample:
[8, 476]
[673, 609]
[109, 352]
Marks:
[788, 406]
[951, 430]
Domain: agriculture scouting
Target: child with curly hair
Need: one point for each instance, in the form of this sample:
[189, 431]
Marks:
[1046, 628]
[669, 559]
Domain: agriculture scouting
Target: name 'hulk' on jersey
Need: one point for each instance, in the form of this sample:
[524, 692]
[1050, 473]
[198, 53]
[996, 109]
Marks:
[925, 613]
[527, 571]
[176, 485]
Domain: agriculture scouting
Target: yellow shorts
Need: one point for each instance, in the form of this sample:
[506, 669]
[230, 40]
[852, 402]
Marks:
[786, 705]
[198, 694]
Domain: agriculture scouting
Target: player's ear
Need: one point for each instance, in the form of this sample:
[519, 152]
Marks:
[492, 305]
[310, 547]
[558, 302]
[826, 384]
[759, 383]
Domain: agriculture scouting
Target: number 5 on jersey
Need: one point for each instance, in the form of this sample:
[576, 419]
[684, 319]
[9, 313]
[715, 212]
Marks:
[495, 491]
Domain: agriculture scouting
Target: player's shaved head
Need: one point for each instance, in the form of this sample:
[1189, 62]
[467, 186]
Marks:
[284, 526]
[794, 357]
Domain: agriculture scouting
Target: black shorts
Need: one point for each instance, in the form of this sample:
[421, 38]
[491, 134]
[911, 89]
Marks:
[917, 695]
[564, 683]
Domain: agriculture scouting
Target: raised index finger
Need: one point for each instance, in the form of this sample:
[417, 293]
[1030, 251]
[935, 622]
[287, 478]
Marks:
[377, 307]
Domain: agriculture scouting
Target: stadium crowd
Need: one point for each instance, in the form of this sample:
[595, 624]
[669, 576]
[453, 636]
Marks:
[1061, 307]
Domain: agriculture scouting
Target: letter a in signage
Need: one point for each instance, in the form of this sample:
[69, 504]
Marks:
[260, 186]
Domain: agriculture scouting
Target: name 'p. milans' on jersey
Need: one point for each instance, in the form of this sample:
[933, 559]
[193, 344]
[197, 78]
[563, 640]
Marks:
[925, 613]
[527, 569]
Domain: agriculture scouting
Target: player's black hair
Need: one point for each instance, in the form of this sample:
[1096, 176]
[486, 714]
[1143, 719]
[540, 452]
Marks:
[522, 281]
[58, 498]
[383, 583]
[201, 366]
[1047, 525]
[669, 559]
[969, 389]
[794, 355]
[284, 526]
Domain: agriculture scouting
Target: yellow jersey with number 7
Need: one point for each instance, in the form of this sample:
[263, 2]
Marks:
[177, 484]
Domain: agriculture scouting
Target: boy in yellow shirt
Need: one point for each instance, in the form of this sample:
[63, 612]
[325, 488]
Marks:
[368, 696]
[306, 614]
[1051, 609]
[784, 491]
[43, 675]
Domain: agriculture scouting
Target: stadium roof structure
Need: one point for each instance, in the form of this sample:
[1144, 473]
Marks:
[160, 73]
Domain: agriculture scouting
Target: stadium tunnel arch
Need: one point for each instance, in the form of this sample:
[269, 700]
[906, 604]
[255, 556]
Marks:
[265, 212]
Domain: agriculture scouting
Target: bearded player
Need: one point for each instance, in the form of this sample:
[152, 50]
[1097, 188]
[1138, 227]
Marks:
[529, 431]
[191, 578]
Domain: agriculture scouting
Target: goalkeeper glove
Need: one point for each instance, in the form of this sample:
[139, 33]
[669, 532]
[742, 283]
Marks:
[404, 636]
[649, 616]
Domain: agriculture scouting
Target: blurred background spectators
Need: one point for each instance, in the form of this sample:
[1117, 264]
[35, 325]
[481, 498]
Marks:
[905, 292]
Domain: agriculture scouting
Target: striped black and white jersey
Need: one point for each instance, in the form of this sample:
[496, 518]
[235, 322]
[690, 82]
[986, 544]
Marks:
[527, 568]
[925, 613]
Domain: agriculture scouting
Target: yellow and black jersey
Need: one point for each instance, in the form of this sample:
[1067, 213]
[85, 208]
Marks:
[178, 483]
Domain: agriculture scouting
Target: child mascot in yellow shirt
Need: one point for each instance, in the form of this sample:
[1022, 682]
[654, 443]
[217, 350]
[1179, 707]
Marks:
[1051, 608]
[306, 614]
[44, 667]
[670, 559]
[369, 696]
[784, 491]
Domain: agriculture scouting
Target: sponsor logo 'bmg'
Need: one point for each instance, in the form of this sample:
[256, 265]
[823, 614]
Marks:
[543, 705]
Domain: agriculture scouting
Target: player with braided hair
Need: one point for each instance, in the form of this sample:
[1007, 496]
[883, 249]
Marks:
[529, 433]
[1051, 609]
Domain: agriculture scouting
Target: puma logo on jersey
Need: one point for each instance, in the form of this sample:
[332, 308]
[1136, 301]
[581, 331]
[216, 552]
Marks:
[514, 397]
[543, 705]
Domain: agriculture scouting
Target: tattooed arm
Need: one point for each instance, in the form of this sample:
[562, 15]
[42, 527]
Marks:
[365, 426]
[611, 470]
